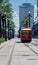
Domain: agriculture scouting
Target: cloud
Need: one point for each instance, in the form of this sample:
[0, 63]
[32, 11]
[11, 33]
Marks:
[16, 21]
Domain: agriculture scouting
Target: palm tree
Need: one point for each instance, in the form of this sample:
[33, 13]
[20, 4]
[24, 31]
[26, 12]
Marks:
[5, 6]
[10, 26]
[25, 22]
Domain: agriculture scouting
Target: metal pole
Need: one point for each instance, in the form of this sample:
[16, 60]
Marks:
[29, 19]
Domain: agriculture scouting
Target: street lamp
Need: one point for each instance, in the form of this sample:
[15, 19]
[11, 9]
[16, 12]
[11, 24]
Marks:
[29, 18]
[29, 15]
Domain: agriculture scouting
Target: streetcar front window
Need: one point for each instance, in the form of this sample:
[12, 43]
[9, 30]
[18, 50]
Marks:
[26, 33]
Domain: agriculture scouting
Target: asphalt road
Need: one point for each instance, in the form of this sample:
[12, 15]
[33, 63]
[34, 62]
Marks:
[25, 53]
[17, 53]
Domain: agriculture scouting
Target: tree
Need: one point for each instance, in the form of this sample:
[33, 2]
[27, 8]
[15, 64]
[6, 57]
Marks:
[25, 22]
[11, 27]
[5, 7]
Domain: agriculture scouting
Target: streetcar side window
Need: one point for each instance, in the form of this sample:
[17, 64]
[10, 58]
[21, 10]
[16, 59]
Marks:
[29, 33]
[22, 33]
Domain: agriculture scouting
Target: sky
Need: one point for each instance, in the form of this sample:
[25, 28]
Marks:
[16, 4]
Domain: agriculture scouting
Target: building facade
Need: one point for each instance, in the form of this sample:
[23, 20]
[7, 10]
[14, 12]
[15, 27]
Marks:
[24, 11]
[37, 7]
[35, 30]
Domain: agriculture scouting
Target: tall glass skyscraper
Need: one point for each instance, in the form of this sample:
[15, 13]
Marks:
[37, 7]
[24, 11]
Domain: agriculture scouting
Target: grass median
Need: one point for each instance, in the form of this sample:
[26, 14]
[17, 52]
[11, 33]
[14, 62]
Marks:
[2, 40]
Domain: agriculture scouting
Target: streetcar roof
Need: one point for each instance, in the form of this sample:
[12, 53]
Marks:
[26, 29]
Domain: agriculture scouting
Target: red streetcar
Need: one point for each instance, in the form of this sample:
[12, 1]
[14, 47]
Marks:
[26, 34]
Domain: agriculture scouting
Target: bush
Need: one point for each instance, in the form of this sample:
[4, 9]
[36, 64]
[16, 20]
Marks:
[2, 40]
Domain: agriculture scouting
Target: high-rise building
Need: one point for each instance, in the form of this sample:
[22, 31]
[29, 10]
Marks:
[37, 7]
[24, 11]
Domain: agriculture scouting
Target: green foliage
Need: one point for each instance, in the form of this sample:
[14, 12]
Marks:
[1, 1]
[2, 40]
[11, 24]
[6, 7]
[25, 22]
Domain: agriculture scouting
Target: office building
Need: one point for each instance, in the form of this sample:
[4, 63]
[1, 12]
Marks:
[24, 11]
[37, 7]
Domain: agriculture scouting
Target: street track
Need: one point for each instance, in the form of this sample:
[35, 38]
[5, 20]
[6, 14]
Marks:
[10, 59]
[34, 42]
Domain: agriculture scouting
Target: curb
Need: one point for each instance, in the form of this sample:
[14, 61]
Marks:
[9, 56]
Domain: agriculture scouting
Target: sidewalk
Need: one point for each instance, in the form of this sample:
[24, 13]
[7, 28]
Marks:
[3, 44]
[6, 49]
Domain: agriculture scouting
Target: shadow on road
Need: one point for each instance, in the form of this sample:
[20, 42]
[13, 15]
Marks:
[22, 42]
[22, 55]
[18, 42]
[32, 59]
